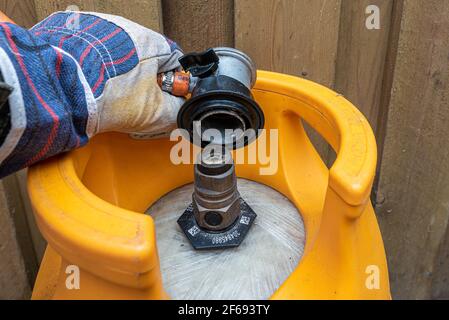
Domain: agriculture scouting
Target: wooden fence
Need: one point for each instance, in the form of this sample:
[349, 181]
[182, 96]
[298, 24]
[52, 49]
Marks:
[398, 76]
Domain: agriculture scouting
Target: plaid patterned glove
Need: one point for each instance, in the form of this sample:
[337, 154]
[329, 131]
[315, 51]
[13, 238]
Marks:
[78, 74]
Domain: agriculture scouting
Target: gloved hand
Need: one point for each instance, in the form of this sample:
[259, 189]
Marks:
[79, 74]
[120, 61]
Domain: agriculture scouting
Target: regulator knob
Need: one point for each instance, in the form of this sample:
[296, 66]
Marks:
[200, 64]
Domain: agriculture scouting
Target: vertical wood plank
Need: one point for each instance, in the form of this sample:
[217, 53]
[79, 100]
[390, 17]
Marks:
[14, 281]
[18, 265]
[361, 56]
[20, 191]
[144, 12]
[22, 12]
[293, 37]
[197, 24]
[414, 176]
[387, 81]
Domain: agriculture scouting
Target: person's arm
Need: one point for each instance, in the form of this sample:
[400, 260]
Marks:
[77, 74]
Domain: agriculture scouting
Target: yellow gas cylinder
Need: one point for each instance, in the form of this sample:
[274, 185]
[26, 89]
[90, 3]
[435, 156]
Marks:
[89, 204]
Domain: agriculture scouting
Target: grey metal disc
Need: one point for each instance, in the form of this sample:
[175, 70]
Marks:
[254, 270]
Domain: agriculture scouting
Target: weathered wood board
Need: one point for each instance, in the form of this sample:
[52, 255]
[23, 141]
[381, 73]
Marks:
[197, 24]
[414, 175]
[361, 56]
[145, 12]
[22, 12]
[14, 280]
[293, 37]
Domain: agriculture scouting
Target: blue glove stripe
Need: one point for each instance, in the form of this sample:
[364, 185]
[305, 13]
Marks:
[56, 110]
[110, 53]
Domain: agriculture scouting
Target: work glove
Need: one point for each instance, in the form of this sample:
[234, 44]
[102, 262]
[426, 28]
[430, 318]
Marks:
[77, 74]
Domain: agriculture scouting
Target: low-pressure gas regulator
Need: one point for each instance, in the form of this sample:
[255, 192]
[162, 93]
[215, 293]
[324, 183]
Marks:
[217, 84]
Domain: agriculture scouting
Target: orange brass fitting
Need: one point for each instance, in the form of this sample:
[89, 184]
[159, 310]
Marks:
[175, 82]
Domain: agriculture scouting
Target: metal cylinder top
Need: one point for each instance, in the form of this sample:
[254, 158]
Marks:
[236, 64]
